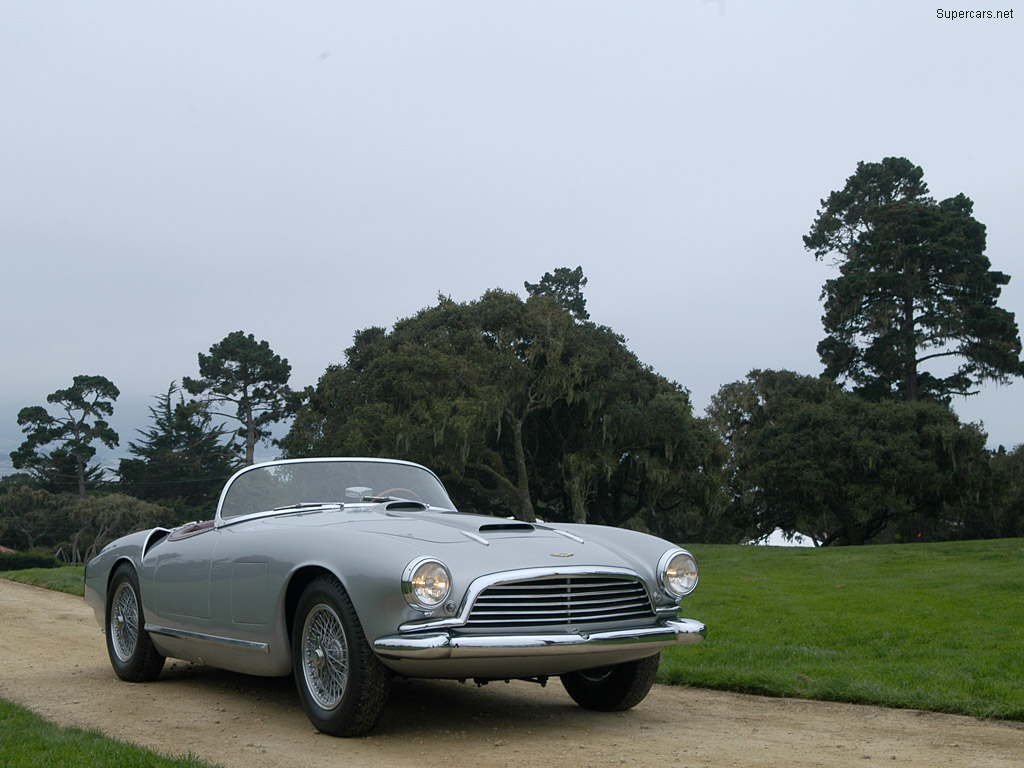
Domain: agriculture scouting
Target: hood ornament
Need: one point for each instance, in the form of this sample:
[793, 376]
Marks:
[561, 554]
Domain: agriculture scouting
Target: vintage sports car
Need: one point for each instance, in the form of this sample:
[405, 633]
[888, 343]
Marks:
[346, 572]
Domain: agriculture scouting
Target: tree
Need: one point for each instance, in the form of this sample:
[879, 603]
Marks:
[76, 528]
[84, 405]
[96, 521]
[914, 287]
[454, 383]
[31, 518]
[1006, 518]
[566, 287]
[182, 456]
[246, 374]
[624, 448]
[806, 456]
[522, 408]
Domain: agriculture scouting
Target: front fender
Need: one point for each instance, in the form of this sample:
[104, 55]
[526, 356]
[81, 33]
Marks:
[129, 549]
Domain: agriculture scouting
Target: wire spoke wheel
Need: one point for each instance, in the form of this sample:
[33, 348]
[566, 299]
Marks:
[342, 684]
[129, 646]
[124, 621]
[325, 656]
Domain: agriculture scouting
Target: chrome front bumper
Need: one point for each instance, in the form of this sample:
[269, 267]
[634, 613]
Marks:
[445, 645]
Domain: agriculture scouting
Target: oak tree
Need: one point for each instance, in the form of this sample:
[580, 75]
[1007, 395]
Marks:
[524, 408]
[806, 456]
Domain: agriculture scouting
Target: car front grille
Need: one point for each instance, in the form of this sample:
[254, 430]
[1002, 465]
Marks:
[561, 601]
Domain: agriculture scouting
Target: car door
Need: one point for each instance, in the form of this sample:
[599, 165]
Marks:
[181, 578]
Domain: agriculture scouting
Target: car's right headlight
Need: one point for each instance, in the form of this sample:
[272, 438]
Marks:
[426, 583]
[678, 573]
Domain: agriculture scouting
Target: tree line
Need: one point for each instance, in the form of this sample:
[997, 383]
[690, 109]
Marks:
[175, 469]
[526, 407]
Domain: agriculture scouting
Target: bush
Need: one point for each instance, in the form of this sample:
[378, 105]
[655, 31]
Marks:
[16, 561]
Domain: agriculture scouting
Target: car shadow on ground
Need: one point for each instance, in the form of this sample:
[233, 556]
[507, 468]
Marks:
[416, 707]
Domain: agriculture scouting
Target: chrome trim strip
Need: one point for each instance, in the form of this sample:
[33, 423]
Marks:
[443, 645]
[286, 511]
[474, 537]
[567, 535]
[199, 637]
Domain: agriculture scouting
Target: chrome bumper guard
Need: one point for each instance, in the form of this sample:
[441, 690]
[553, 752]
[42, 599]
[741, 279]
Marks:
[444, 645]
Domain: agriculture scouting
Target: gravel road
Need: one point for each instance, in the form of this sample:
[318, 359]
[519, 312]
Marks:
[53, 661]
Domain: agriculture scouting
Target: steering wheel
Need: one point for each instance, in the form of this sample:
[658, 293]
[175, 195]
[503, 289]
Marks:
[412, 494]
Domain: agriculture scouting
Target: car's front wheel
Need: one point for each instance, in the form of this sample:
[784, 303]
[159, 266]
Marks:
[131, 651]
[342, 685]
[614, 688]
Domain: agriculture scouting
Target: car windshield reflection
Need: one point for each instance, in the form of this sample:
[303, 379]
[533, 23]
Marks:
[298, 485]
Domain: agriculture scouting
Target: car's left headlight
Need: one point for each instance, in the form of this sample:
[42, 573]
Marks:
[678, 573]
[426, 583]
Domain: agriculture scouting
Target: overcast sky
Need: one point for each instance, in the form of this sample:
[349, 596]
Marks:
[172, 172]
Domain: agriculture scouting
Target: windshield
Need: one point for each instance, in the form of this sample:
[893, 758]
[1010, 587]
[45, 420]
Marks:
[290, 484]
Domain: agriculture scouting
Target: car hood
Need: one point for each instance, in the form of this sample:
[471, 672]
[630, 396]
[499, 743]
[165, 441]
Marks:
[492, 543]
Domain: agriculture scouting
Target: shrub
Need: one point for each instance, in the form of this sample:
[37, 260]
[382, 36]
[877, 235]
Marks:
[16, 561]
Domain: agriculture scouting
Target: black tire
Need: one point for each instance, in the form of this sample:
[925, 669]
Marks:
[615, 688]
[342, 685]
[131, 651]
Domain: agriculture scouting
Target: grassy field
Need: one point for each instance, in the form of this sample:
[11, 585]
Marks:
[925, 626]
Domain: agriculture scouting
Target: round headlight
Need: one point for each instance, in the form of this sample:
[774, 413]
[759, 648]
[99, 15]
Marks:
[427, 583]
[678, 572]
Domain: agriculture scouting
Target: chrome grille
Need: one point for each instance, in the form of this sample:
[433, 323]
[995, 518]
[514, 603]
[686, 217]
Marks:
[561, 600]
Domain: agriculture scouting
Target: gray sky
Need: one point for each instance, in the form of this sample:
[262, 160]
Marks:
[172, 172]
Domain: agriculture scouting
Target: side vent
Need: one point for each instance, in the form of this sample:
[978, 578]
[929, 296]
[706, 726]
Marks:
[155, 537]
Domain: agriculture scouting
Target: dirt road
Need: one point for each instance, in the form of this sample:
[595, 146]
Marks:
[53, 660]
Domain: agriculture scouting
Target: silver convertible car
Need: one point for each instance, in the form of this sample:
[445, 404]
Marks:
[345, 572]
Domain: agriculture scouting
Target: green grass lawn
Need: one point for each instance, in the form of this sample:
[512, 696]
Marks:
[28, 741]
[67, 578]
[926, 626]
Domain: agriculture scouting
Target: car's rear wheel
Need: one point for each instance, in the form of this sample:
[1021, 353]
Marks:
[614, 688]
[342, 684]
[131, 651]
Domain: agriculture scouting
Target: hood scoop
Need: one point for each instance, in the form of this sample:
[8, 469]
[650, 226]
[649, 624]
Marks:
[503, 527]
[496, 528]
[406, 506]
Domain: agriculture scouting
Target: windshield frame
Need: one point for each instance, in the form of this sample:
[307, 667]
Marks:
[220, 520]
